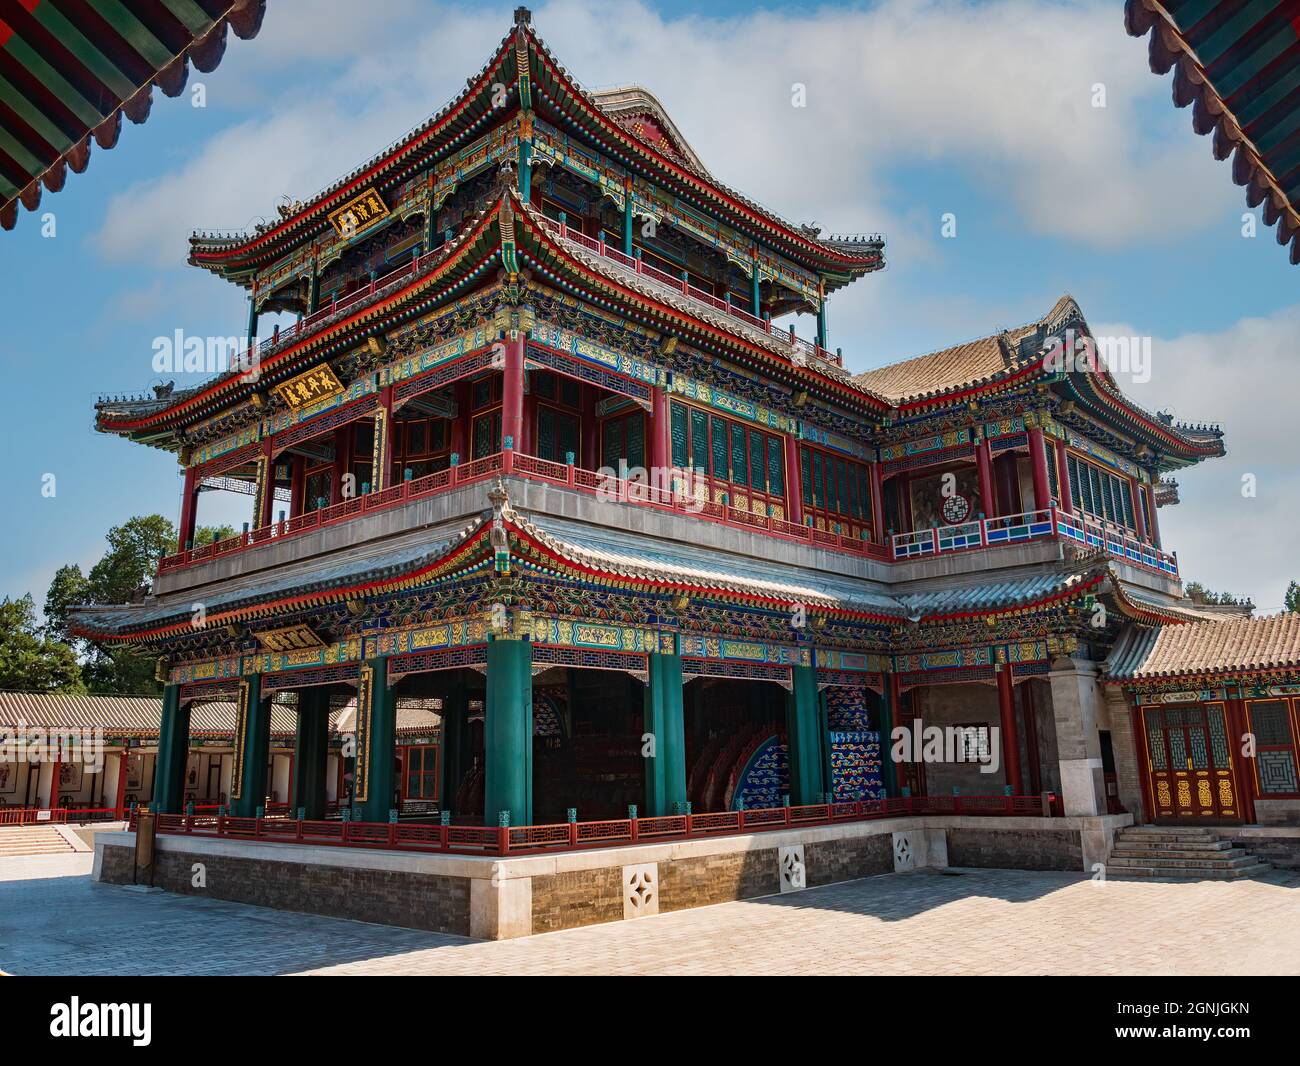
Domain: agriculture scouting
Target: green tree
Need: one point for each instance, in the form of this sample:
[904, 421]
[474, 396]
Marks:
[207, 534]
[123, 574]
[1198, 593]
[127, 568]
[1292, 600]
[29, 660]
[68, 589]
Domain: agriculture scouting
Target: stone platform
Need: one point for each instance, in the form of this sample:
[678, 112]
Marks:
[499, 898]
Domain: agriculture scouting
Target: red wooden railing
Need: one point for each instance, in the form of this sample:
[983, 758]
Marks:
[56, 815]
[803, 349]
[569, 836]
[413, 489]
[679, 499]
[698, 496]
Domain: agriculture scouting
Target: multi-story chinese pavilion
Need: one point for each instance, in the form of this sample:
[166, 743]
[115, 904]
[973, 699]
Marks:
[537, 449]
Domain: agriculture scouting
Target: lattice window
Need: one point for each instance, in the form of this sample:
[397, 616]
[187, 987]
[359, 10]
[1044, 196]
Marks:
[423, 662]
[590, 659]
[324, 675]
[1100, 493]
[1270, 720]
[838, 494]
[1218, 738]
[738, 670]
[1053, 475]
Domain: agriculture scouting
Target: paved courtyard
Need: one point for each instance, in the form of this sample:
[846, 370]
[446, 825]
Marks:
[54, 920]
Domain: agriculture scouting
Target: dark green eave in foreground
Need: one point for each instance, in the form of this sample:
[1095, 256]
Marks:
[70, 69]
[1237, 62]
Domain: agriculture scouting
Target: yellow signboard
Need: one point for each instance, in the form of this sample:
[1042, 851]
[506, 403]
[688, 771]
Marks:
[317, 384]
[361, 212]
[291, 638]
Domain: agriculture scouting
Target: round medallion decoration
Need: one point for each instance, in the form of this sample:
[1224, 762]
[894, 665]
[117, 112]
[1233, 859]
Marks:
[956, 508]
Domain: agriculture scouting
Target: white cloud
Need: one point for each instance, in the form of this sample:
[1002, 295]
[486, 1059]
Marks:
[1002, 90]
[1245, 379]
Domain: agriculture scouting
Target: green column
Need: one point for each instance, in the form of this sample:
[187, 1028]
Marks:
[628, 222]
[310, 752]
[173, 749]
[252, 317]
[888, 769]
[313, 291]
[802, 728]
[525, 170]
[252, 746]
[755, 295]
[508, 732]
[822, 336]
[453, 719]
[376, 739]
[665, 774]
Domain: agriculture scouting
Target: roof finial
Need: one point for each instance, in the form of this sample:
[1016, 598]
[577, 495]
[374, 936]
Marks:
[523, 17]
[500, 500]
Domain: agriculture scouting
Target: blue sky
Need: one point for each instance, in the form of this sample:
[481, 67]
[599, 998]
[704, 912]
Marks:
[914, 110]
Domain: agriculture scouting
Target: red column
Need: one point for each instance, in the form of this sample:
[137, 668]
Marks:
[1010, 738]
[1235, 712]
[55, 769]
[1030, 713]
[189, 507]
[1038, 463]
[878, 532]
[660, 436]
[512, 394]
[1143, 760]
[1141, 519]
[120, 804]
[793, 481]
[1063, 478]
[984, 464]
[1153, 533]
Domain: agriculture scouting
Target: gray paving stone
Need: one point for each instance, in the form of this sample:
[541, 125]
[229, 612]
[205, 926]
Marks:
[54, 920]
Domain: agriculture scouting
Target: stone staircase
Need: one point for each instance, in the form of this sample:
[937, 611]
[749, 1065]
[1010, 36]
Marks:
[32, 840]
[1194, 853]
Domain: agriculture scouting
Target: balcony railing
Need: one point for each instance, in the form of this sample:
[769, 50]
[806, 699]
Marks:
[259, 350]
[574, 836]
[802, 350]
[699, 497]
[1033, 525]
[693, 496]
[324, 517]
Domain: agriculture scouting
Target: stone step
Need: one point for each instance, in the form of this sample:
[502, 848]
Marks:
[48, 849]
[33, 840]
[29, 838]
[1168, 835]
[1130, 861]
[26, 831]
[1137, 851]
[1189, 844]
[1185, 874]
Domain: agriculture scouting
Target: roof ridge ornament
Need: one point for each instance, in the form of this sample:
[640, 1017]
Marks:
[523, 17]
